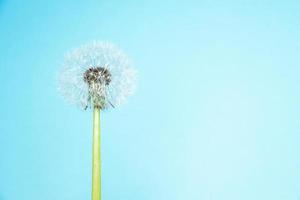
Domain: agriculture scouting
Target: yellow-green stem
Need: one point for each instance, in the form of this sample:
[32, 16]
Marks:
[96, 168]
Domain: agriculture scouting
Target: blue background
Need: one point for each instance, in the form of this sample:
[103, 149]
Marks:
[215, 116]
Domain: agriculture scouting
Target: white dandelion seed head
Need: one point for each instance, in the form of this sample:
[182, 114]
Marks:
[97, 74]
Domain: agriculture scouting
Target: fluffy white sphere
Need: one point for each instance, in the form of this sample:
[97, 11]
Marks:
[97, 91]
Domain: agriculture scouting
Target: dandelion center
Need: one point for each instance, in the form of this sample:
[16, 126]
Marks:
[95, 75]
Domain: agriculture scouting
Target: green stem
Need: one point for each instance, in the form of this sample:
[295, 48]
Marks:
[96, 168]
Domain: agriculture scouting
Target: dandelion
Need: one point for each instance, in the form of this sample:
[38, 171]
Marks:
[97, 75]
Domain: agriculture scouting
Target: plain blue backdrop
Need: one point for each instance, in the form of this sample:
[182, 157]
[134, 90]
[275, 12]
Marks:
[215, 115]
